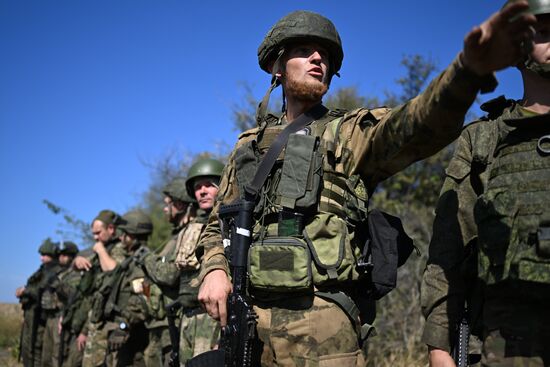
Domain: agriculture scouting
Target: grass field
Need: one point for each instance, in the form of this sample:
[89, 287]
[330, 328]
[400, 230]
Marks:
[11, 318]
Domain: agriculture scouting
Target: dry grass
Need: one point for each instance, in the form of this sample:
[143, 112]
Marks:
[11, 318]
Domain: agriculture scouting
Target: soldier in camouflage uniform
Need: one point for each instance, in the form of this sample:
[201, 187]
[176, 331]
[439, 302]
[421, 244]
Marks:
[490, 249]
[38, 305]
[162, 274]
[67, 353]
[97, 262]
[198, 332]
[313, 203]
[125, 311]
[61, 289]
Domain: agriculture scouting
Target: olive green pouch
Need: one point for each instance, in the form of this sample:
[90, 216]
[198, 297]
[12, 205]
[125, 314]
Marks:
[280, 264]
[328, 239]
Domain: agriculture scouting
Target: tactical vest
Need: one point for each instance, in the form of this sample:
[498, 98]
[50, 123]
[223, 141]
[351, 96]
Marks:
[311, 214]
[187, 262]
[513, 213]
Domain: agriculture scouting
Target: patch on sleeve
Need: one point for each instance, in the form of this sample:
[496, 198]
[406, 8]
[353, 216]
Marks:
[137, 285]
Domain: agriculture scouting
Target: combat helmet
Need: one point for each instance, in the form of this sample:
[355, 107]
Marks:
[48, 247]
[68, 248]
[136, 222]
[176, 190]
[298, 26]
[206, 167]
[539, 7]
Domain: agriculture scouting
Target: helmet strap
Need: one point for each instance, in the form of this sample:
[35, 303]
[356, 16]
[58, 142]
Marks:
[542, 70]
[275, 82]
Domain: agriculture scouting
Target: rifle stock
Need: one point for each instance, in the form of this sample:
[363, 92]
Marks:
[171, 314]
[239, 338]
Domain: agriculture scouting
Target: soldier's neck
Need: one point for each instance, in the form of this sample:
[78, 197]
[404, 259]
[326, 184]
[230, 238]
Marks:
[295, 107]
[536, 95]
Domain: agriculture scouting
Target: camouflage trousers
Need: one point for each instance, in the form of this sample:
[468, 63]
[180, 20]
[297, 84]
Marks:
[308, 332]
[517, 329]
[131, 352]
[510, 351]
[158, 350]
[31, 354]
[198, 334]
[72, 357]
[50, 343]
[96, 345]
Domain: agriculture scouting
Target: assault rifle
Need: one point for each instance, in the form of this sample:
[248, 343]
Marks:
[460, 352]
[171, 314]
[238, 340]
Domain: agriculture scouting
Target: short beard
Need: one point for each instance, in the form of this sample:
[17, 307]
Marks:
[306, 91]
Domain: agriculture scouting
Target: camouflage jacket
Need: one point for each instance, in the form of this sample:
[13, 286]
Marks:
[162, 280]
[37, 283]
[187, 261]
[125, 299]
[91, 282]
[373, 144]
[451, 275]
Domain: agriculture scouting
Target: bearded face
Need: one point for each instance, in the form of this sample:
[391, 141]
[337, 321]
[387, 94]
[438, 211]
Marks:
[305, 75]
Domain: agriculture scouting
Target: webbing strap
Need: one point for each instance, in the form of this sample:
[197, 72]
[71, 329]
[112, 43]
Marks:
[315, 113]
[351, 310]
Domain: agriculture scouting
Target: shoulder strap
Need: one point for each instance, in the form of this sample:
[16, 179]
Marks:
[252, 189]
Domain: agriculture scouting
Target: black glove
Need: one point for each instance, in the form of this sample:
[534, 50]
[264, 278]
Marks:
[117, 338]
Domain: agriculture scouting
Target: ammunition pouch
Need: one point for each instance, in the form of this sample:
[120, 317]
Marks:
[323, 257]
[280, 264]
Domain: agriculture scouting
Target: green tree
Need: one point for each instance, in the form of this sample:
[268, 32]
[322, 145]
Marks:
[71, 227]
[162, 170]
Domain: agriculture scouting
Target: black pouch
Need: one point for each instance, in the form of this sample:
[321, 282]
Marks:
[387, 247]
[543, 239]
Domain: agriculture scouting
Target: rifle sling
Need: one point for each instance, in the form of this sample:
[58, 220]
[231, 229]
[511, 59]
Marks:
[306, 118]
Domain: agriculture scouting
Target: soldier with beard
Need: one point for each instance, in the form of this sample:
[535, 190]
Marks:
[306, 267]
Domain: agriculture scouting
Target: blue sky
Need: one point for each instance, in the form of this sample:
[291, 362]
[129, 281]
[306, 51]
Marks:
[91, 89]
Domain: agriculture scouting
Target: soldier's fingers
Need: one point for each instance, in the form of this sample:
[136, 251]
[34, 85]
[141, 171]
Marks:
[523, 24]
[222, 310]
[472, 38]
[510, 11]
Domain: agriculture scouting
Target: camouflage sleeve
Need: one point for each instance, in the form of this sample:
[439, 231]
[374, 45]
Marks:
[162, 270]
[210, 250]
[443, 285]
[118, 253]
[418, 128]
[135, 310]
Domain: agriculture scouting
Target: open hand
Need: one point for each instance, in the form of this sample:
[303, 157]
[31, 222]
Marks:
[502, 40]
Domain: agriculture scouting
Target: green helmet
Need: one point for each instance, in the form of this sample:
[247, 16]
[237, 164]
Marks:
[302, 26]
[206, 167]
[68, 248]
[48, 247]
[539, 7]
[136, 222]
[536, 7]
[176, 190]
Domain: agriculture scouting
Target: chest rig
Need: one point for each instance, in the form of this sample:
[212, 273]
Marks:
[513, 213]
[309, 211]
